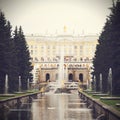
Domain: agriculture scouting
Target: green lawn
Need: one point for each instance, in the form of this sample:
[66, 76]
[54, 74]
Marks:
[111, 103]
[17, 94]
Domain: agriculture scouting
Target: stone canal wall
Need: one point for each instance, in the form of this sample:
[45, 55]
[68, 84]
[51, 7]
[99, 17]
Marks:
[15, 102]
[101, 111]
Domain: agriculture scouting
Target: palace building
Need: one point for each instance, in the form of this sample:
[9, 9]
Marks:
[78, 53]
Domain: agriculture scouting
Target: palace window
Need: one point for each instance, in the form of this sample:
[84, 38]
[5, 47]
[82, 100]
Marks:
[31, 46]
[31, 52]
[81, 47]
[75, 47]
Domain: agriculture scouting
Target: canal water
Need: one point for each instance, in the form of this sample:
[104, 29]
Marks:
[51, 107]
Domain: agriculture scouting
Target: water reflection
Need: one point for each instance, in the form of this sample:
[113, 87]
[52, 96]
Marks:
[51, 107]
[23, 112]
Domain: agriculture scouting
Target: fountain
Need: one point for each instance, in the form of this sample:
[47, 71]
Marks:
[95, 89]
[110, 87]
[110, 81]
[100, 93]
[101, 82]
[94, 86]
[88, 87]
[19, 86]
[94, 83]
[6, 84]
[6, 94]
[60, 87]
[61, 76]
[28, 84]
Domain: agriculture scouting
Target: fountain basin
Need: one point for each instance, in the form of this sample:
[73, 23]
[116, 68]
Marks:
[117, 104]
[87, 90]
[100, 94]
[7, 95]
[110, 98]
[29, 91]
[93, 92]
[62, 90]
[19, 92]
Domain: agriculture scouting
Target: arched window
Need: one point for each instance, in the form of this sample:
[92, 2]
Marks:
[81, 77]
[70, 77]
[47, 77]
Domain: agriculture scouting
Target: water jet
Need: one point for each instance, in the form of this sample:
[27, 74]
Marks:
[6, 94]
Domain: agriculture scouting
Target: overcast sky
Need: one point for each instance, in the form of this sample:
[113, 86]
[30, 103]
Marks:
[49, 16]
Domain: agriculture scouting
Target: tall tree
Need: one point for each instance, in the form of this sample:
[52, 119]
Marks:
[11, 59]
[108, 50]
[102, 56]
[115, 46]
[2, 52]
[23, 57]
[7, 56]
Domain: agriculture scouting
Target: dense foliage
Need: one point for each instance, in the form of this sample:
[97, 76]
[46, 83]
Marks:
[14, 56]
[107, 53]
[23, 57]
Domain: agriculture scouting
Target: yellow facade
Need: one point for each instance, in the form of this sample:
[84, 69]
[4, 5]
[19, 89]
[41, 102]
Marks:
[45, 52]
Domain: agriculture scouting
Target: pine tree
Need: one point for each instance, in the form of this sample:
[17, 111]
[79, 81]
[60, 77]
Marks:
[12, 60]
[102, 56]
[115, 46]
[108, 51]
[14, 56]
[23, 57]
[2, 62]
[7, 56]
